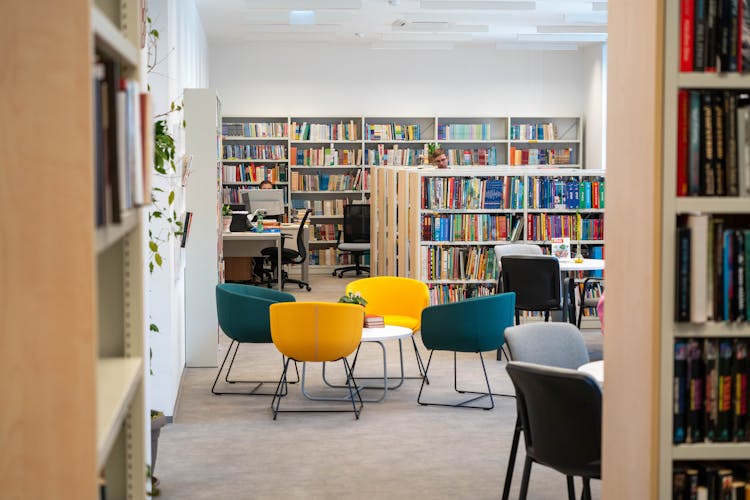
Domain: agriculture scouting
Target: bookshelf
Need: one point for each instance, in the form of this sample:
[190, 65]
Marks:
[203, 253]
[73, 359]
[444, 226]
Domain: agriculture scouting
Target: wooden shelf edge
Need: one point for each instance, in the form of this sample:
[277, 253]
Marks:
[711, 451]
[712, 204]
[116, 383]
[108, 235]
[111, 39]
[712, 329]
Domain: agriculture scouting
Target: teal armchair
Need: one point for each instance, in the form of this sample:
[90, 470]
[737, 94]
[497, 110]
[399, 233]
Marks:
[473, 325]
[244, 317]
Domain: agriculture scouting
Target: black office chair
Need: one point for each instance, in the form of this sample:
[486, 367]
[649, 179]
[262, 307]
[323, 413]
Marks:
[592, 290]
[536, 281]
[356, 238]
[561, 415]
[289, 256]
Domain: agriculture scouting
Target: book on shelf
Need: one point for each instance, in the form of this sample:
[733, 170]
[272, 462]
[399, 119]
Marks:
[561, 248]
[679, 412]
[186, 228]
[493, 193]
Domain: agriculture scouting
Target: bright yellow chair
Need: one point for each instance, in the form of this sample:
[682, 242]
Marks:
[316, 332]
[399, 300]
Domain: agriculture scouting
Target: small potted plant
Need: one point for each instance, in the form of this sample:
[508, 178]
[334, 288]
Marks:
[226, 217]
[353, 298]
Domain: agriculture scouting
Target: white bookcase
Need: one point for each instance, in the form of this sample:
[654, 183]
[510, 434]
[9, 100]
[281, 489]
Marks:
[203, 270]
[347, 147]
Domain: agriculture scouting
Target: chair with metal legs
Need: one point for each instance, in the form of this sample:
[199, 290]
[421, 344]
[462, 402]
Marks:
[561, 415]
[554, 344]
[400, 301]
[243, 316]
[317, 332]
[473, 325]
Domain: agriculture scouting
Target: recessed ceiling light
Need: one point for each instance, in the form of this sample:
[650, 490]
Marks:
[302, 17]
[476, 5]
[572, 28]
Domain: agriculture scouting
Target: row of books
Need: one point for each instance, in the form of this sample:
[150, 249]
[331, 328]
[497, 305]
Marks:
[252, 173]
[394, 156]
[712, 274]
[443, 294]
[575, 227]
[713, 143]
[472, 193]
[342, 131]
[545, 192]
[320, 207]
[123, 139]
[232, 195]
[470, 131]
[326, 232]
[533, 132]
[714, 35]
[710, 390]
[711, 481]
[332, 257]
[330, 182]
[324, 156]
[393, 132]
[254, 152]
[272, 130]
[468, 157]
[542, 156]
[458, 263]
[466, 227]
[374, 321]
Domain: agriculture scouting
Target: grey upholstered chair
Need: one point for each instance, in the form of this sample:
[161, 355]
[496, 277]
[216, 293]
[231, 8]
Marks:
[560, 345]
[516, 249]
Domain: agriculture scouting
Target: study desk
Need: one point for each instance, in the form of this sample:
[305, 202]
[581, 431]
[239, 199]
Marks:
[595, 369]
[249, 244]
[570, 265]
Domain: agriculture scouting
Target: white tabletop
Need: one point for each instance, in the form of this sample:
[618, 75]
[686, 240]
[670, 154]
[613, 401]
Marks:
[388, 332]
[595, 369]
[586, 265]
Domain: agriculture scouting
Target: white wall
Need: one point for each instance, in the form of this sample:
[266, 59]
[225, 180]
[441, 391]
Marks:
[258, 79]
[183, 53]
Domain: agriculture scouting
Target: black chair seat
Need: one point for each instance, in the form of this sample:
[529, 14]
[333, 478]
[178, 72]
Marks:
[356, 238]
[289, 256]
[286, 253]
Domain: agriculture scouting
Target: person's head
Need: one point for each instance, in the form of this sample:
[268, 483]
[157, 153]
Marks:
[439, 158]
[266, 184]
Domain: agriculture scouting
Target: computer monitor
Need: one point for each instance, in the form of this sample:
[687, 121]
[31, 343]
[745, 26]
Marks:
[270, 200]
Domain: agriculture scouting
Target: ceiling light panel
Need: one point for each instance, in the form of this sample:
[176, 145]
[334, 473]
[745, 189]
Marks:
[571, 28]
[476, 5]
[426, 37]
[437, 27]
[303, 4]
[302, 17]
[412, 46]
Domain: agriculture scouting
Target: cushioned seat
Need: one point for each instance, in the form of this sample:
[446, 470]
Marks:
[398, 320]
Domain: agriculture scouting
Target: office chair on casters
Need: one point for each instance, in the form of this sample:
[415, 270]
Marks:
[356, 238]
[561, 414]
[289, 255]
[592, 290]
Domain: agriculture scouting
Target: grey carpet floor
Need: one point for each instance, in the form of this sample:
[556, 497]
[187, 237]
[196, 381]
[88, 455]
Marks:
[229, 447]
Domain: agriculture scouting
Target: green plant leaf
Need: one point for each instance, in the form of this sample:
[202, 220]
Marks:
[152, 327]
[153, 246]
[151, 267]
[170, 200]
[157, 259]
[156, 214]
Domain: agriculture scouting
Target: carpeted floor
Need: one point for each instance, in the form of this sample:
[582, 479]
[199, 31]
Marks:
[229, 447]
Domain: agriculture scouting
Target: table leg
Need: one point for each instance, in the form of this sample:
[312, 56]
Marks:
[279, 269]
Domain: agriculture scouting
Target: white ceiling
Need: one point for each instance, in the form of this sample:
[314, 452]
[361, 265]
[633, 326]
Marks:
[415, 24]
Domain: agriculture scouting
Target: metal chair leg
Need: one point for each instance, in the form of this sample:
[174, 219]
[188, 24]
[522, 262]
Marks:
[571, 488]
[525, 479]
[258, 383]
[512, 459]
[586, 495]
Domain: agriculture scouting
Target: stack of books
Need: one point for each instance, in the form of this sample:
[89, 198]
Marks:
[374, 321]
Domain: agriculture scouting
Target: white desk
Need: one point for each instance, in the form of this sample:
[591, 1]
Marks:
[570, 265]
[378, 336]
[248, 244]
[595, 369]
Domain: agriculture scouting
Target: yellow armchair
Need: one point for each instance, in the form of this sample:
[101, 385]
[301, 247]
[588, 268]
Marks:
[399, 300]
[316, 332]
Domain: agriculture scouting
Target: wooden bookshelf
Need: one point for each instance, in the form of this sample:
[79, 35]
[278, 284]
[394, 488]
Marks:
[72, 359]
[405, 250]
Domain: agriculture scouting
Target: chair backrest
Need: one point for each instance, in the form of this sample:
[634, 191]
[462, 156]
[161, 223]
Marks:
[476, 324]
[316, 331]
[242, 311]
[535, 279]
[516, 249]
[561, 414]
[399, 300]
[551, 344]
[356, 223]
[301, 239]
